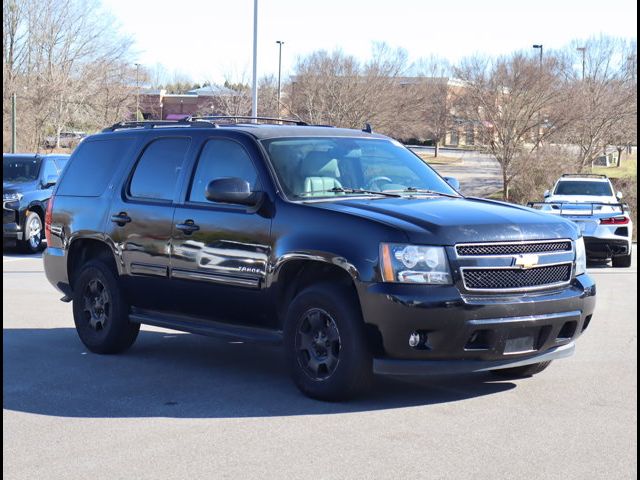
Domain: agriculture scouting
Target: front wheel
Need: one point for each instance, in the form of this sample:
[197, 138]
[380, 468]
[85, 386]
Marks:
[33, 234]
[326, 349]
[524, 371]
[100, 311]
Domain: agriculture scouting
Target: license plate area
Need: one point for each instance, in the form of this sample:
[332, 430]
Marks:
[520, 344]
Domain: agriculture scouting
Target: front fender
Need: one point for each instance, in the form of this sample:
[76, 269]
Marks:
[352, 243]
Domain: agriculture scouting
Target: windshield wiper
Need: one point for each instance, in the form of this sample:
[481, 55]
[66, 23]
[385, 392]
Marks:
[425, 191]
[357, 191]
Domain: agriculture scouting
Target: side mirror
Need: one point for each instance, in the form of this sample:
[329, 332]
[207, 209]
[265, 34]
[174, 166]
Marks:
[50, 181]
[453, 182]
[619, 195]
[547, 194]
[231, 190]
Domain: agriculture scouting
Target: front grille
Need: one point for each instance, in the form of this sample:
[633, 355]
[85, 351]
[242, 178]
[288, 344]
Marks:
[515, 278]
[513, 248]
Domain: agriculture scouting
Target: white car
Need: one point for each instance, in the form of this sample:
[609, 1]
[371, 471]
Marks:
[591, 202]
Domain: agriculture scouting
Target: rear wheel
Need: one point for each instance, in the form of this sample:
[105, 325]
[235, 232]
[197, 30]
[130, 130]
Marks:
[33, 234]
[326, 349]
[100, 312]
[524, 371]
[622, 262]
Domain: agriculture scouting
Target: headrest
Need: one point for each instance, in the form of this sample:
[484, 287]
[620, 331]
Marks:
[320, 164]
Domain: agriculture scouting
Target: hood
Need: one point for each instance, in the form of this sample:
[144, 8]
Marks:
[19, 187]
[581, 199]
[447, 221]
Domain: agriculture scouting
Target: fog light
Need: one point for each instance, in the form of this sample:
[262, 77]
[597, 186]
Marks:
[414, 339]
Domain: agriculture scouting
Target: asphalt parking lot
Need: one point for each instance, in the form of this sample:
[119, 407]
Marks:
[179, 406]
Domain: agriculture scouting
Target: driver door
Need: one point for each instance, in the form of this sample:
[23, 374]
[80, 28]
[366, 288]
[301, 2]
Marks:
[220, 251]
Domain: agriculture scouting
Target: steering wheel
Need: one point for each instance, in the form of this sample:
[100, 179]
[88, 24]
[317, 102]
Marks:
[373, 183]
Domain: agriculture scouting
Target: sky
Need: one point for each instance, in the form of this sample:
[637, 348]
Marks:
[210, 40]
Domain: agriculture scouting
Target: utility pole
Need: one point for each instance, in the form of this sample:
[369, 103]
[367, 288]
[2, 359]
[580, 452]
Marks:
[254, 87]
[137, 91]
[583, 50]
[13, 123]
[540, 47]
[280, 43]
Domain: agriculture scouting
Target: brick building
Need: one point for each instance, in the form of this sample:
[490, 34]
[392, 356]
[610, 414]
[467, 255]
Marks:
[208, 100]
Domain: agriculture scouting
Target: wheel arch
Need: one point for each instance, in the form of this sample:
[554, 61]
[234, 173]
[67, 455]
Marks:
[81, 250]
[298, 272]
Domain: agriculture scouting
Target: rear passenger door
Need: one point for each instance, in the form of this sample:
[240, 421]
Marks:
[141, 219]
[219, 266]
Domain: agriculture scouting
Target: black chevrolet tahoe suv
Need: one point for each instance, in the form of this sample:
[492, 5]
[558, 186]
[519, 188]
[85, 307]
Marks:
[27, 183]
[340, 245]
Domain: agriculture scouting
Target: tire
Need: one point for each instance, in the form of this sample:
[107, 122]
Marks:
[33, 234]
[327, 313]
[524, 371]
[100, 311]
[621, 262]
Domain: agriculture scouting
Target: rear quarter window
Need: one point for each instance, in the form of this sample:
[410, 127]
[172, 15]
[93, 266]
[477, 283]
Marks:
[92, 166]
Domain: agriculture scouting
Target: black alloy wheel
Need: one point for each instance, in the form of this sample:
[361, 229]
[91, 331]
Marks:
[96, 304]
[318, 344]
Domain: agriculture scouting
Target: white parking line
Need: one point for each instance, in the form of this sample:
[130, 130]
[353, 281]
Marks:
[17, 258]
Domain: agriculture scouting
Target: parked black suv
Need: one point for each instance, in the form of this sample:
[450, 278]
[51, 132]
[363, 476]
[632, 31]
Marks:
[341, 244]
[27, 181]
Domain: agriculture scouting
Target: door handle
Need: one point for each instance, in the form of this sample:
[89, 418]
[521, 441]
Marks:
[188, 227]
[121, 218]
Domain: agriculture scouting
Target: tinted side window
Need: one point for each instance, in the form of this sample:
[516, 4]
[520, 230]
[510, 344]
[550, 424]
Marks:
[49, 169]
[92, 165]
[60, 163]
[156, 174]
[221, 159]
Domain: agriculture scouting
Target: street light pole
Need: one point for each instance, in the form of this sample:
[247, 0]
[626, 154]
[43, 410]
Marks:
[280, 43]
[540, 47]
[583, 50]
[254, 90]
[137, 90]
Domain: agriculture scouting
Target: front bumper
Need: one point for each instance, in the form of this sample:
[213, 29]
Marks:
[472, 333]
[386, 366]
[11, 229]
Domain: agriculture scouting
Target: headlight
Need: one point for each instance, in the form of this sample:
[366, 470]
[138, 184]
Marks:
[11, 197]
[581, 257]
[414, 264]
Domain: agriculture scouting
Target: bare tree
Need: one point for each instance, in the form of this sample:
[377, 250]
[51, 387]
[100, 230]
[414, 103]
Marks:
[603, 103]
[54, 54]
[516, 104]
[334, 88]
[435, 97]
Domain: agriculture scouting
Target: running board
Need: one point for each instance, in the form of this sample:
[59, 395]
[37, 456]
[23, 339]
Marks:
[209, 328]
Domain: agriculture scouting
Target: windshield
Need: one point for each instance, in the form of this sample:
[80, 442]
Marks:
[20, 169]
[573, 187]
[327, 167]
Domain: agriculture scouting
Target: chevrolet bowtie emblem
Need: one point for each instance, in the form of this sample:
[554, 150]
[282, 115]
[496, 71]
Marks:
[526, 261]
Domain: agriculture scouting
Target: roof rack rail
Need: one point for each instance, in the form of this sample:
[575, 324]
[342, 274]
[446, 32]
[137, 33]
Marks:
[246, 117]
[596, 175]
[157, 123]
